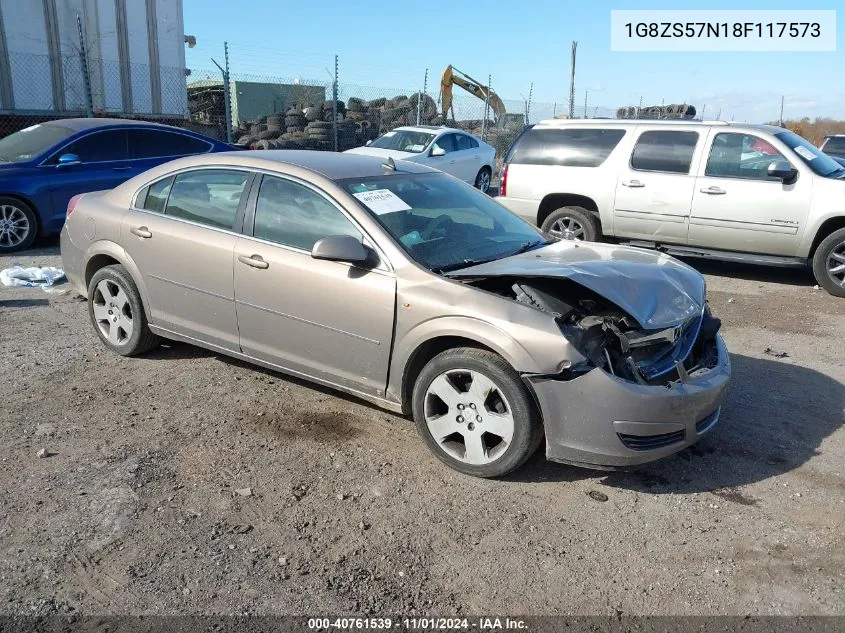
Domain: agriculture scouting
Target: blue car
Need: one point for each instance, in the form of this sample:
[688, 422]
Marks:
[43, 166]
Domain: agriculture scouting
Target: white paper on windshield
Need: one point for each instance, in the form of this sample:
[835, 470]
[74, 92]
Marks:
[381, 201]
[415, 148]
[803, 152]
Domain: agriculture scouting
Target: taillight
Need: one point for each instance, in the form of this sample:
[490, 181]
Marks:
[71, 204]
[503, 185]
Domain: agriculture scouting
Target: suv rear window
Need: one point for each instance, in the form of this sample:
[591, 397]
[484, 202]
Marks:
[664, 150]
[573, 147]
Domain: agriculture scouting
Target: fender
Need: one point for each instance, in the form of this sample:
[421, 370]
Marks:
[482, 332]
[106, 247]
[812, 230]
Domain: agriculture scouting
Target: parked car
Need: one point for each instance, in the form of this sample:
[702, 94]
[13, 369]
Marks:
[749, 193]
[412, 290]
[834, 145]
[452, 151]
[43, 166]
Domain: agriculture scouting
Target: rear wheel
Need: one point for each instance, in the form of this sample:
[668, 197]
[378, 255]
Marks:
[482, 180]
[18, 225]
[572, 223]
[474, 413]
[116, 310]
[829, 263]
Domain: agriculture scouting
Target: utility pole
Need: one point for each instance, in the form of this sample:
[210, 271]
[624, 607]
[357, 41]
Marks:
[703, 108]
[572, 81]
[334, 104]
[586, 93]
[781, 110]
[530, 97]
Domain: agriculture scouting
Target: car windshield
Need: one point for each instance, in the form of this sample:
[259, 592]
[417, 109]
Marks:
[32, 141]
[442, 223]
[404, 141]
[815, 159]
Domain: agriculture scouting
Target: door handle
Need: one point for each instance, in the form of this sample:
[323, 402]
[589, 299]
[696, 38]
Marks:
[121, 168]
[633, 184]
[141, 231]
[713, 191]
[256, 261]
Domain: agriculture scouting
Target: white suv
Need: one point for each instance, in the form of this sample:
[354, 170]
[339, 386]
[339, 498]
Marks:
[751, 193]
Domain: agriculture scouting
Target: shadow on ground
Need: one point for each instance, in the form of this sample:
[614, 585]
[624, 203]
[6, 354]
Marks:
[753, 272]
[774, 420]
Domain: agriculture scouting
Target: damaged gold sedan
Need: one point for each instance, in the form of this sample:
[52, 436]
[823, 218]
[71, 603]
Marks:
[403, 286]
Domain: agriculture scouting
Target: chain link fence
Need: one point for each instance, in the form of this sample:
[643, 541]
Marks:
[258, 111]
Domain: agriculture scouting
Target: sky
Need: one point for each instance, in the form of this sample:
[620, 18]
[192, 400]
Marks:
[389, 44]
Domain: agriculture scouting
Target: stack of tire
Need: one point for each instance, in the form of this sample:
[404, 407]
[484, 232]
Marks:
[329, 111]
[346, 135]
[319, 135]
[295, 120]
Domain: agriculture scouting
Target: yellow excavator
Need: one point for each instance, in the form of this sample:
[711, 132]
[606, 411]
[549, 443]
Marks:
[453, 76]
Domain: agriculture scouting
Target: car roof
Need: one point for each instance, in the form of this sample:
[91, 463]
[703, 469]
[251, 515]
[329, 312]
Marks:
[431, 128]
[80, 124]
[331, 165]
[552, 123]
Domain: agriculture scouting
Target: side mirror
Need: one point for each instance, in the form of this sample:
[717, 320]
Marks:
[341, 248]
[437, 151]
[783, 171]
[66, 160]
[368, 143]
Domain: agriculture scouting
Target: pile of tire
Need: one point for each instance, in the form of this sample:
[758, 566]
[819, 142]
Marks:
[295, 120]
[319, 132]
[329, 111]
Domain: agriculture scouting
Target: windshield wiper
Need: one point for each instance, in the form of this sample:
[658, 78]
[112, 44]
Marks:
[530, 246]
[464, 264]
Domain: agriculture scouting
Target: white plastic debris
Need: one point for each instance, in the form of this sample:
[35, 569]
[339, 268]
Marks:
[41, 277]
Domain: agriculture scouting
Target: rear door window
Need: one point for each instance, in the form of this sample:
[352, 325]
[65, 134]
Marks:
[208, 196]
[571, 147]
[161, 143]
[446, 143]
[664, 150]
[466, 142]
[154, 197]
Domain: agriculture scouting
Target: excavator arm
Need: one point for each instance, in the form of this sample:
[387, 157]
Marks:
[453, 76]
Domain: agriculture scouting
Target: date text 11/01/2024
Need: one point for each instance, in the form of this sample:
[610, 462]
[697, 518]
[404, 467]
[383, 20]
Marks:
[723, 29]
[421, 623]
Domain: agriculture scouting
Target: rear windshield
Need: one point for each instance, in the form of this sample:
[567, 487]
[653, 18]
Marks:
[32, 141]
[835, 145]
[570, 147]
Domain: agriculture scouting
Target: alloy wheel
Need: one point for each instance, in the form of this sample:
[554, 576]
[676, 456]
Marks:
[484, 181]
[836, 264]
[469, 416]
[112, 312]
[567, 229]
[14, 226]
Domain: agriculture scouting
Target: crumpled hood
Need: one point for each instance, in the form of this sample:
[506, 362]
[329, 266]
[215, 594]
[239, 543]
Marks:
[395, 154]
[655, 289]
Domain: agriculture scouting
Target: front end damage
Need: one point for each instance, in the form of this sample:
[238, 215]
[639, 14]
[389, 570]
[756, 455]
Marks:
[631, 394]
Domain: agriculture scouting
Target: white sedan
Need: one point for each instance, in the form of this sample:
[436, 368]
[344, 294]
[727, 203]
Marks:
[452, 151]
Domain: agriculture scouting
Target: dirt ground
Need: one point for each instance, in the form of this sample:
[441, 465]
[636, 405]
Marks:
[141, 507]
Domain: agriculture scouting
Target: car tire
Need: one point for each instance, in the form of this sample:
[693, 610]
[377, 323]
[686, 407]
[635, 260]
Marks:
[117, 312]
[18, 225]
[829, 263]
[574, 223]
[488, 451]
[482, 180]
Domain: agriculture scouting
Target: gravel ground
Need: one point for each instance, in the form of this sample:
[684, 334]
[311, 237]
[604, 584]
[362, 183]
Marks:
[186, 482]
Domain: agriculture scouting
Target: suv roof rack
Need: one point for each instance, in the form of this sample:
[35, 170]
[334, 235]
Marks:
[650, 121]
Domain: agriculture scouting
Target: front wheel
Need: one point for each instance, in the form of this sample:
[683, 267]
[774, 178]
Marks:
[18, 226]
[475, 414]
[482, 180]
[829, 263]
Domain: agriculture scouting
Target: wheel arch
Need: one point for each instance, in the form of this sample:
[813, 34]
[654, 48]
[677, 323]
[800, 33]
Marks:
[826, 228]
[437, 336]
[554, 201]
[104, 253]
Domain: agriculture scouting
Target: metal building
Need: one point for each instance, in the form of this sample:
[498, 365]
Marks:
[135, 57]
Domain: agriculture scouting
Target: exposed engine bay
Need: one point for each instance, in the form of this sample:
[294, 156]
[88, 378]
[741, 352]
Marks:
[611, 339]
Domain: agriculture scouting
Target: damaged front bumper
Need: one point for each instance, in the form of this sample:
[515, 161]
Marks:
[599, 420]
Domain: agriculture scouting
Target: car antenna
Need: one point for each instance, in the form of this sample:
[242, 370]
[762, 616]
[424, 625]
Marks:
[389, 164]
